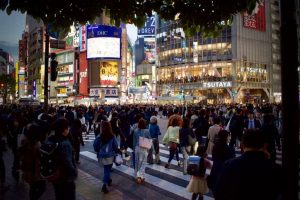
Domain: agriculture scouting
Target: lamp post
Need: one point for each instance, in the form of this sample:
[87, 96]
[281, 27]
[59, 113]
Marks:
[119, 85]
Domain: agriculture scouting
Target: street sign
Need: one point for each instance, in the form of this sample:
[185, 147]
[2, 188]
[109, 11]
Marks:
[57, 44]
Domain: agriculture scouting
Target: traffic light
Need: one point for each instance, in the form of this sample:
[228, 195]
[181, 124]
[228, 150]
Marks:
[53, 66]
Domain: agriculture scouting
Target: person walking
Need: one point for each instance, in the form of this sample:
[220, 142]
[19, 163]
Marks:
[76, 133]
[184, 134]
[198, 185]
[171, 138]
[154, 132]
[64, 187]
[220, 154]
[108, 149]
[140, 152]
[30, 162]
[212, 132]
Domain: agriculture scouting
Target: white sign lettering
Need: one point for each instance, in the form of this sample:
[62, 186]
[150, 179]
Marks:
[221, 84]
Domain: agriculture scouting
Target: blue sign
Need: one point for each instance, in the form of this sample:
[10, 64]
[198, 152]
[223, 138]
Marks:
[149, 27]
[103, 31]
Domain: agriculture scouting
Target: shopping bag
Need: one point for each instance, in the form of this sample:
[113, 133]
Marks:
[145, 142]
[119, 159]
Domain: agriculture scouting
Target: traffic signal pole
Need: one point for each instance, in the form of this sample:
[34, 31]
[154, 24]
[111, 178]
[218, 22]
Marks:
[46, 96]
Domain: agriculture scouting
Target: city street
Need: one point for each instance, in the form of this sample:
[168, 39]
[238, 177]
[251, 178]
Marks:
[160, 183]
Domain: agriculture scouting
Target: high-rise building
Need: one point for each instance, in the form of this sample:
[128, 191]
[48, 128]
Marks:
[240, 65]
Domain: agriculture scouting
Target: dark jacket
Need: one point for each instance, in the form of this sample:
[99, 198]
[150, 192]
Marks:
[183, 136]
[250, 176]
[154, 130]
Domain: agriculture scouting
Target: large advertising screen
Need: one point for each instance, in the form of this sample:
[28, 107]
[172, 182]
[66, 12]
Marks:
[149, 50]
[149, 27]
[108, 73]
[103, 42]
[257, 20]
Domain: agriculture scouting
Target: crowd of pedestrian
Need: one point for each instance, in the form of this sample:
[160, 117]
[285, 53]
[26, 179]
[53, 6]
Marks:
[214, 131]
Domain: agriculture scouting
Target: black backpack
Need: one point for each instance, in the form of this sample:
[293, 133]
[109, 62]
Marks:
[49, 167]
[196, 168]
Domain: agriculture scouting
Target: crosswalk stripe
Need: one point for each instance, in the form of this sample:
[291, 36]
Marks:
[153, 180]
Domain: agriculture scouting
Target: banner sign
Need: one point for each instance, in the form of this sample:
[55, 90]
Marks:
[149, 27]
[257, 20]
[149, 50]
[108, 73]
[82, 38]
[137, 90]
[111, 92]
[103, 42]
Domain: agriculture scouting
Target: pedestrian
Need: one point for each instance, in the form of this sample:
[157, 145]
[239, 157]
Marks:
[270, 132]
[198, 185]
[108, 151]
[171, 138]
[30, 162]
[252, 175]
[236, 128]
[76, 133]
[154, 132]
[184, 134]
[220, 154]
[64, 187]
[212, 132]
[140, 152]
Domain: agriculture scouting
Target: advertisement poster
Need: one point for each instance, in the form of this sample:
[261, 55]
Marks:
[257, 20]
[103, 42]
[108, 73]
[149, 50]
[82, 38]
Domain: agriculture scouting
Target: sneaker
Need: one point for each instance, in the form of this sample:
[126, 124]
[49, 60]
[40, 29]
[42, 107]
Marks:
[167, 166]
[179, 163]
[104, 189]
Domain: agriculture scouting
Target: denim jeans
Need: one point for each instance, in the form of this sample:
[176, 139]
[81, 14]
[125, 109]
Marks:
[172, 153]
[140, 159]
[106, 175]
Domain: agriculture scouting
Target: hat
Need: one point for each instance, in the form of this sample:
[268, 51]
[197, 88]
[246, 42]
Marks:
[153, 119]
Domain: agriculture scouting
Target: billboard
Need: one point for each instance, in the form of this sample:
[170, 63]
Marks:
[149, 50]
[149, 27]
[83, 74]
[109, 73]
[257, 20]
[103, 42]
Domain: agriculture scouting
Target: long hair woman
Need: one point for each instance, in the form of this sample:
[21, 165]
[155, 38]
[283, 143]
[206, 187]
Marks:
[108, 150]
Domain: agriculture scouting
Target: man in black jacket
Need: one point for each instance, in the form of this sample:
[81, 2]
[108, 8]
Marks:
[252, 175]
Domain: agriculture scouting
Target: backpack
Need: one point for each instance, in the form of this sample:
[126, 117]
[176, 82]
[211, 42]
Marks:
[49, 167]
[194, 168]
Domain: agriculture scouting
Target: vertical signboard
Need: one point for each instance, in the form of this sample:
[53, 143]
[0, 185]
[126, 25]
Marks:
[149, 50]
[82, 38]
[83, 77]
[195, 52]
[257, 20]
[149, 27]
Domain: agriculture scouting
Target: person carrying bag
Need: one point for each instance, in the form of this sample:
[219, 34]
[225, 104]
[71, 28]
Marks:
[142, 142]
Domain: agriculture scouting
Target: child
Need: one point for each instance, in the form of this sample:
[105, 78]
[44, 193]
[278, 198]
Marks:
[197, 184]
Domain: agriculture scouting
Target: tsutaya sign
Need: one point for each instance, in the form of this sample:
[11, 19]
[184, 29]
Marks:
[219, 84]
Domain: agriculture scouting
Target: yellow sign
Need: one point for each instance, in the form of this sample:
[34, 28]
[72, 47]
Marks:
[108, 73]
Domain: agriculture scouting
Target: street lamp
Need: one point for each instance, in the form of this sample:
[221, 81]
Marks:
[118, 85]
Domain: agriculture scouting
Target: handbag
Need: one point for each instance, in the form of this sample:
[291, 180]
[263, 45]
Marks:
[191, 140]
[145, 142]
[172, 146]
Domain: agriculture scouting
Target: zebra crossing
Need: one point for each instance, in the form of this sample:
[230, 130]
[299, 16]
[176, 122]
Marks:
[171, 180]
[88, 137]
